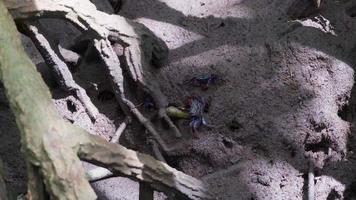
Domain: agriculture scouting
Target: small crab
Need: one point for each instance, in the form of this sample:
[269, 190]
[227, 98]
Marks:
[148, 103]
[197, 106]
[204, 81]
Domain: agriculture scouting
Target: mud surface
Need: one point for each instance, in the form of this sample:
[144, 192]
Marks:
[287, 97]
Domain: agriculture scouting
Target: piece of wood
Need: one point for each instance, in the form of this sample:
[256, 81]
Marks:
[141, 167]
[43, 133]
[119, 131]
[50, 53]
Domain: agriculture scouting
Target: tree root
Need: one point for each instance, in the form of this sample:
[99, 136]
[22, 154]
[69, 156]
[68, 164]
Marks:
[49, 52]
[35, 187]
[141, 47]
[53, 146]
[156, 152]
[137, 65]
[139, 167]
[119, 131]
[112, 65]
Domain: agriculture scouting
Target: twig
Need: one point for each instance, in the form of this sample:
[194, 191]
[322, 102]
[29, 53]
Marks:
[119, 131]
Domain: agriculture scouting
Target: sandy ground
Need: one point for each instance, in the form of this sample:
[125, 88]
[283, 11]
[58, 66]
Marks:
[286, 88]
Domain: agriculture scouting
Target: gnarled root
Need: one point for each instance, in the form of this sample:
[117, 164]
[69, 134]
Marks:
[137, 63]
[53, 146]
[50, 54]
[142, 48]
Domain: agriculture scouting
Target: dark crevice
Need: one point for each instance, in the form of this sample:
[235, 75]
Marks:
[228, 143]
[344, 112]
[71, 106]
[322, 146]
[301, 9]
[318, 127]
[173, 161]
[105, 95]
[333, 195]
[234, 125]
[350, 192]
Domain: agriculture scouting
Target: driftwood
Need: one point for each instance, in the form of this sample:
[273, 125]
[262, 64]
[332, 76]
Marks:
[54, 147]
